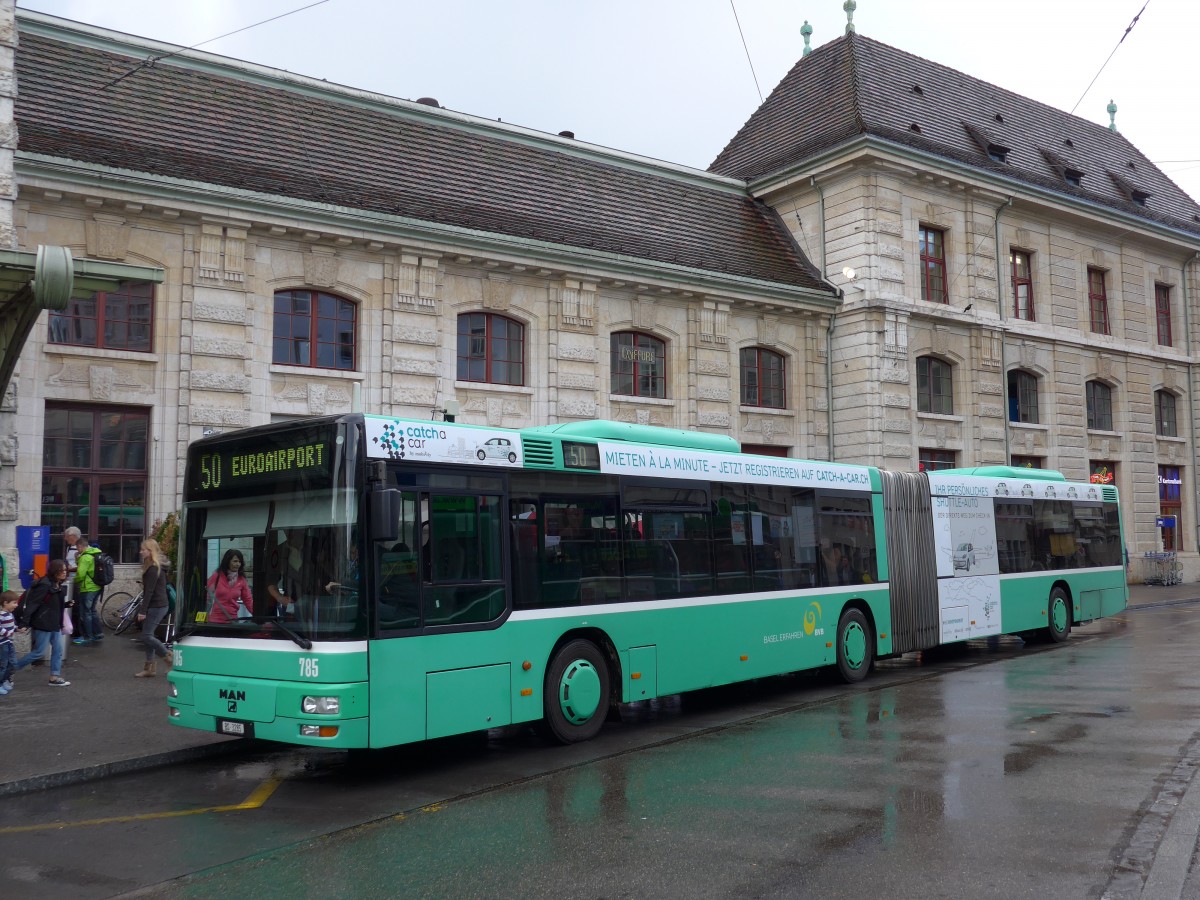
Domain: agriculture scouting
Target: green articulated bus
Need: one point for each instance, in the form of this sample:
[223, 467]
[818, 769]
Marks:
[407, 580]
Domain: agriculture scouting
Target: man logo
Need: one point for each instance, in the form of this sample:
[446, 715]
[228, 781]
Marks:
[226, 694]
[231, 706]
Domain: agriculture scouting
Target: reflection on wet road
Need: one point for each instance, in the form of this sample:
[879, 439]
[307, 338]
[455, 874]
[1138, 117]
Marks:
[999, 771]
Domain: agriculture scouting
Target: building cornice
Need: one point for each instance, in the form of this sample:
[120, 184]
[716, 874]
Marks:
[801, 173]
[54, 173]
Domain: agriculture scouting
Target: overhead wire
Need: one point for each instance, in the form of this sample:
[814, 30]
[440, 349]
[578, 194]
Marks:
[151, 60]
[747, 49]
[1128, 29]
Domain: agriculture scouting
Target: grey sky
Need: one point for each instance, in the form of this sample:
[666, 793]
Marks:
[670, 79]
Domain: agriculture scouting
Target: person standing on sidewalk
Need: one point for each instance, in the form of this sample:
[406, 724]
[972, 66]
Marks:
[87, 593]
[154, 605]
[8, 626]
[71, 555]
[45, 602]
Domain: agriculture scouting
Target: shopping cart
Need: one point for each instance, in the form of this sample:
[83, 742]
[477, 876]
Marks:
[1162, 568]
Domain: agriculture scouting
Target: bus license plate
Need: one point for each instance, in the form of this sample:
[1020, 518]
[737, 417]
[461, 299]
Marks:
[238, 729]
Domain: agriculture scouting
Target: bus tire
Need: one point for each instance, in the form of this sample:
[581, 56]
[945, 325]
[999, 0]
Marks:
[576, 696]
[855, 647]
[1058, 614]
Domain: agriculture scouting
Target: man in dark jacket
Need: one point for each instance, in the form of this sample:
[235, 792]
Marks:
[43, 613]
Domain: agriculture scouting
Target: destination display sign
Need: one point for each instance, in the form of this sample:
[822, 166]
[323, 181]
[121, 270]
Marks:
[442, 442]
[701, 465]
[245, 463]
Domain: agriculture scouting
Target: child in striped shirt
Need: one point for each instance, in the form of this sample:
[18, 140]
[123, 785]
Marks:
[8, 625]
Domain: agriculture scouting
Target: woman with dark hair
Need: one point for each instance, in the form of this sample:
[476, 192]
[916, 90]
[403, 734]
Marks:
[228, 589]
[44, 605]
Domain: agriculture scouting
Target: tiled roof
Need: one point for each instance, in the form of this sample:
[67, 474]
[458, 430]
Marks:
[858, 86]
[265, 135]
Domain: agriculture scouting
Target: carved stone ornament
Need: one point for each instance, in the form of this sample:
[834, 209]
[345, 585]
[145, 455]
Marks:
[320, 268]
[768, 330]
[497, 294]
[108, 237]
[645, 313]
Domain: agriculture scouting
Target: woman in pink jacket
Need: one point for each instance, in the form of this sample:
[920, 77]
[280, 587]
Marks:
[228, 587]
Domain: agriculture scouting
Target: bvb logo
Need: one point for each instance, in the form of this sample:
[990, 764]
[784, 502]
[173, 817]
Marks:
[811, 616]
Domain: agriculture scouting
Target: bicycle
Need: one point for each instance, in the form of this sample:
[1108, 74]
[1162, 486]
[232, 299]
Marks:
[119, 611]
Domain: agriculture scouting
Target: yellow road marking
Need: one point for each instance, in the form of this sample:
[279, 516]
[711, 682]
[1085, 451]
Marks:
[257, 798]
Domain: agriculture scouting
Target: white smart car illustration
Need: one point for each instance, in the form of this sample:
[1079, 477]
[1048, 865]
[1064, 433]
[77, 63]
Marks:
[1002, 489]
[964, 556]
[497, 448]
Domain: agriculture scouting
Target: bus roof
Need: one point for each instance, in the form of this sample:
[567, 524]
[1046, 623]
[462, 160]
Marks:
[606, 430]
[1005, 472]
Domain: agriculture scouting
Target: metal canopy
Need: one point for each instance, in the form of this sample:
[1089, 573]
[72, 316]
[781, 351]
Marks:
[49, 279]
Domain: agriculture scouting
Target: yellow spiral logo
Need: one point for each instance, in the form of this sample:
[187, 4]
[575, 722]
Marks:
[810, 617]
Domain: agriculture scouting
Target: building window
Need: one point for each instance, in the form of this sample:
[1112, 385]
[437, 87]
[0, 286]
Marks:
[1022, 285]
[314, 329]
[1164, 414]
[933, 265]
[1097, 301]
[931, 460]
[1162, 313]
[763, 378]
[1170, 503]
[491, 349]
[1099, 406]
[639, 365]
[122, 319]
[765, 450]
[94, 476]
[1022, 397]
[1027, 462]
[935, 386]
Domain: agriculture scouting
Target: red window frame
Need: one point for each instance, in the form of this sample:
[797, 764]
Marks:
[491, 349]
[930, 460]
[108, 320]
[94, 475]
[310, 328]
[1098, 301]
[933, 265]
[1162, 314]
[1022, 284]
[764, 378]
[634, 373]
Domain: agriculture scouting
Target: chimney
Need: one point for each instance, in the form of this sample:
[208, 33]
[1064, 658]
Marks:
[429, 101]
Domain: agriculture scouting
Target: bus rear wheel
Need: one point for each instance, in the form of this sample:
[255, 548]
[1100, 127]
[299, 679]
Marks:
[855, 650]
[576, 695]
[1059, 613]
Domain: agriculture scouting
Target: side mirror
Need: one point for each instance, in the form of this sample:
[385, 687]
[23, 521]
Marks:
[385, 514]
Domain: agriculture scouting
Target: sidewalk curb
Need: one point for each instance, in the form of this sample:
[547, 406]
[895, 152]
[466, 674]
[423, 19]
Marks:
[125, 766]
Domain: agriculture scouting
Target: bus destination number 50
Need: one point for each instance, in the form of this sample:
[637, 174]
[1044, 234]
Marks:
[210, 471]
[308, 667]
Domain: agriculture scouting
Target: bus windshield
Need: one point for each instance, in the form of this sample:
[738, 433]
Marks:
[280, 549]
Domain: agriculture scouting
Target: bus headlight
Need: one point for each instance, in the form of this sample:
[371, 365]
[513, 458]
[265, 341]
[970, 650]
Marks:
[321, 706]
[172, 691]
[325, 731]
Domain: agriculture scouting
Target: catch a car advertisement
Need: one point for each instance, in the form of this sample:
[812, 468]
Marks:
[441, 442]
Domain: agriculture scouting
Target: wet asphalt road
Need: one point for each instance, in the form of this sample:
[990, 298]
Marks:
[1002, 772]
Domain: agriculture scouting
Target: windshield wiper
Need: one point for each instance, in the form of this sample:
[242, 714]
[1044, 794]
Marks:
[300, 639]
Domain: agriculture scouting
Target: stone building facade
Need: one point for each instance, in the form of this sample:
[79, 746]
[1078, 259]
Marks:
[259, 193]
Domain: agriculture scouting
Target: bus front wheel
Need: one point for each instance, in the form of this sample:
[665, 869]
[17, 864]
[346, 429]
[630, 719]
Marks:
[1059, 612]
[855, 650]
[576, 694]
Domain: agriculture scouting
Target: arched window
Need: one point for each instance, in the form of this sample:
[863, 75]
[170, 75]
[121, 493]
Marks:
[1164, 414]
[639, 365]
[763, 378]
[1099, 406]
[312, 328]
[491, 349]
[935, 386]
[1022, 397]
